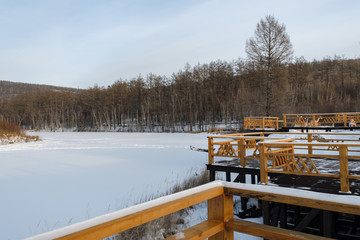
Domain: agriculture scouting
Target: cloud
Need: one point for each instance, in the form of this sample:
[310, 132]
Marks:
[80, 43]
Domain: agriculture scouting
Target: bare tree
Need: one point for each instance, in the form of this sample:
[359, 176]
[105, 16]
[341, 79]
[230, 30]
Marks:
[270, 47]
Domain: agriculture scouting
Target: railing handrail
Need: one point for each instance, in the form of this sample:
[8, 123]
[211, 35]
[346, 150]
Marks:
[127, 218]
[324, 144]
[311, 114]
[216, 192]
[260, 117]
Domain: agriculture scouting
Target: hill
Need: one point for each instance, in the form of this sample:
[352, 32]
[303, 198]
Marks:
[10, 89]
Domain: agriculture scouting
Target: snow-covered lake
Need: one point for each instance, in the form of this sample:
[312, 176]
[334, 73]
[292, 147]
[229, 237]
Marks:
[71, 177]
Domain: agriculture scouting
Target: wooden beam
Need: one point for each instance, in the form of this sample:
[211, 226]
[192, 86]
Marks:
[307, 219]
[202, 230]
[296, 200]
[268, 232]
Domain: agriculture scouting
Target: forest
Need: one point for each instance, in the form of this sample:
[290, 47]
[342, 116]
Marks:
[269, 82]
[194, 98]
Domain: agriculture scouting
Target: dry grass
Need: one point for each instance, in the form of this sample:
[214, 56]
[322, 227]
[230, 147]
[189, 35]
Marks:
[168, 225]
[9, 128]
[11, 133]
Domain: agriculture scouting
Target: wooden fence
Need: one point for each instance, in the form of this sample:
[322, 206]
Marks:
[220, 224]
[261, 122]
[321, 119]
[283, 159]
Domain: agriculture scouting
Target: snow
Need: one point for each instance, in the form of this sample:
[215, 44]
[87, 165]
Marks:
[71, 177]
[68, 178]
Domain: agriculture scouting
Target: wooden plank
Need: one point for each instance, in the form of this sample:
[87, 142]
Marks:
[307, 219]
[296, 200]
[306, 174]
[202, 230]
[132, 220]
[280, 144]
[269, 232]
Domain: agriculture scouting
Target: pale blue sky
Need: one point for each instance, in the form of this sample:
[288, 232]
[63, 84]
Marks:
[80, 43]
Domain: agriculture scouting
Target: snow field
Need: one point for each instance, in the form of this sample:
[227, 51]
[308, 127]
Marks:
[71, 177]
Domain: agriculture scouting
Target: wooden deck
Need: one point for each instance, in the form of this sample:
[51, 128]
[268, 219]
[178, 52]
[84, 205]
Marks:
[318, 162]
[305, 122]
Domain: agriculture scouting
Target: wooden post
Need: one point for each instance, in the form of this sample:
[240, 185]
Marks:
[277, 124]
[242, 152]
[284, 117]
[221, 209]
[344, 169]
[211, 150]
[310, 150]
[313, 120]
[263, 164]
[263, 123]
[328, 223]
[345, 119]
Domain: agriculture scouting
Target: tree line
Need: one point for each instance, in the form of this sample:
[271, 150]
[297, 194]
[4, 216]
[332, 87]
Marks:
[194, 98]
[269, 82]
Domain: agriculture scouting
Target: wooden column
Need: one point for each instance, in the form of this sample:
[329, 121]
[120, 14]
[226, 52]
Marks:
[242, 152]
[310, 150]
[345, 120]
[344, 169]
[212, 175]
[221, 209]
[328, 223]
[284, 117]
[263, 164]
[313, 120]
[211, 150]
[263, 123]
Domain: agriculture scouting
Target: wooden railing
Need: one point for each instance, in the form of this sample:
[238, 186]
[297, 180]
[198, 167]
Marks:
[236, 145]
[289, 157]
[220, 224]
[234, 148]
[321, 119]
[261, 122]
[283, 159]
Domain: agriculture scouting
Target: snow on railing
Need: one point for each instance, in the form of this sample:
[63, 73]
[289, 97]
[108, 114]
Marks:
[220, 222]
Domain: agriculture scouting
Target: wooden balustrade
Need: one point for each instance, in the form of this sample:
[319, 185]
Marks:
[283, 155]
[302, 164]
[220, 224]
[261, 122]
[321, 119]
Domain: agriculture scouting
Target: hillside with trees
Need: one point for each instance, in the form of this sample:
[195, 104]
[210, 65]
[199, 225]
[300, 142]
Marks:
[193, 98]
[10, 89]
[268, 82]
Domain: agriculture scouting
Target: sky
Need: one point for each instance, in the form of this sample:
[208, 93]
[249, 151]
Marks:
[83, 43]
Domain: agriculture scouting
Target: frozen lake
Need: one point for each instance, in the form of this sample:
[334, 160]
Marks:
[71, 177]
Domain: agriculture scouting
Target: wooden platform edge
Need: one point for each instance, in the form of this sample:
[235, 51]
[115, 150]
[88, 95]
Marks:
[268, 232]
